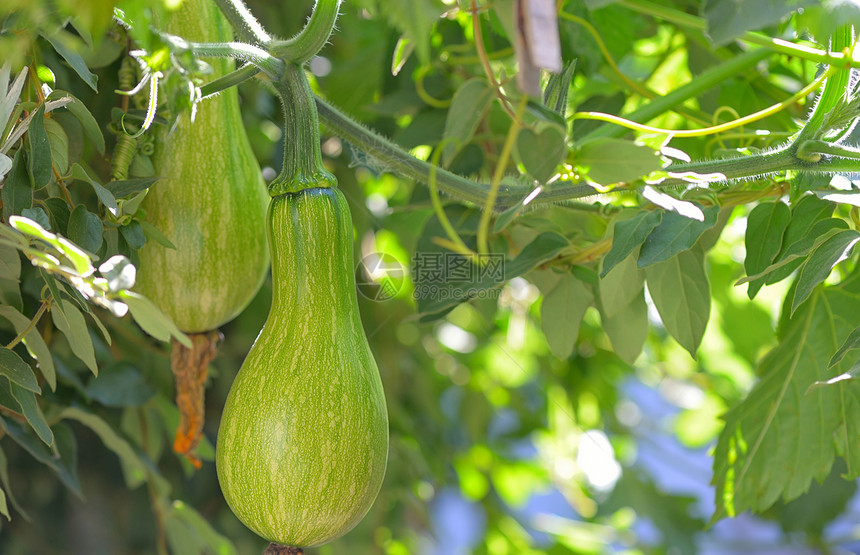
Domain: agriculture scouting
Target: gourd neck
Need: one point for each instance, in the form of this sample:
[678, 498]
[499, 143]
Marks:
[303, 166]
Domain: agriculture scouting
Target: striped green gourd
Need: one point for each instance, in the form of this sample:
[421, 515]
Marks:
[210, 203]
[303, 442]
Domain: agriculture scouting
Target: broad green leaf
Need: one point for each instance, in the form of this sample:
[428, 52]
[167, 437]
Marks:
[5, 165]
[561, 313]
[74, 59]
[180, 537]
[37, 215]
[34, 342]
[17, 190]
[10, 263]
[681, 292]
[851, 342]
[540, 153]
[675, 234]
[766, 225]
[152, 320]
[31, 410]
[63, 465]
[129, 187]
[40, 150]
[794, 256]
[627, 235]
[821, 262]
[134, 468]
[105, 196]
[70, 321]
[18, 371]
[459, 279]
[4, 479]
[155, 234]
[608, 161]
[85, 229]
[88, 122]
[120, 385]
[628, 329]
[133, 234]
[784, 434]
[470, 103]
[729, 20]
[206, 534]
[621, 285]
[813, 511]
[58, 213]
[669, 203]
[4, 509]
[59, 143]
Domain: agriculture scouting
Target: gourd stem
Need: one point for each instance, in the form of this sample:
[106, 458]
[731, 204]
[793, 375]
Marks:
[313, 37]
[273, 66]
[303, 167]
[277, 549]
[230, 80]
[244, 22]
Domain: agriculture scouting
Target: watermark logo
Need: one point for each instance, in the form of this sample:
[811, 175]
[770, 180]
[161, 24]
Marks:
[380, 277]
[449, 275]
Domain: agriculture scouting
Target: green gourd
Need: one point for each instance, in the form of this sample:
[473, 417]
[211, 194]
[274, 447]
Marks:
[210, 203]
[303, 441]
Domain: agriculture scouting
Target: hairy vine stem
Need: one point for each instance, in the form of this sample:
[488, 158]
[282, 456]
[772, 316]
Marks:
[293, 86]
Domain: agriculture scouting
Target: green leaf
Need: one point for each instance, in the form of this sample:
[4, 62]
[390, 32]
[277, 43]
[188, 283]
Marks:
[105, 196]
[59, 144]
[608, 161]
[729, 20]
[40, 150]
[70, 321]
[17, 191]
[37, 215]
[31, 410]
[129, 187]
[790, 259]
[470, 103]
[34, 342]
[133, 235]
[627, 235]
[88, 122]
[557, 88]
[10, 263]
[5, 165]
[78, 258]
[621, 285]
[63, 464]
[851, 342]
[675, 234]
[18, 371]
[628, 329]
[561, 312]
[155, 234]
[152, 320]
[120, 385]
[821, 263]
[540, 153]
[85, 229]
[74, 60]
[4, 478]
[781, 436]
[134, 469]
[445, 294]
[415, 20]
[766, 224]
[207, 536]
[681, 292]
